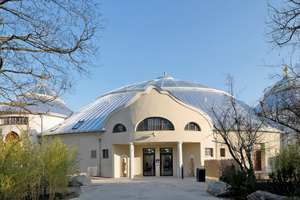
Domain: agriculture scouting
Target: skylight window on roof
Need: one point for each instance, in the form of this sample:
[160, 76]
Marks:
[142, 85]
[169, 83]
[183, 84]
[159, 82]
[78, 124]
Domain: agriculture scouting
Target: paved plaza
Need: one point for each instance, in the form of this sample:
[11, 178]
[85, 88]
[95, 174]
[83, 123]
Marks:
[156, 188]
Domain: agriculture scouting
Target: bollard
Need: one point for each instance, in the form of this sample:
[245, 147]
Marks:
[182, 171]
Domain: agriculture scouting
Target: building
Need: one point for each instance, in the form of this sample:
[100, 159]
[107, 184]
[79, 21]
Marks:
[159, 127]
[46, 111]
[280, 105]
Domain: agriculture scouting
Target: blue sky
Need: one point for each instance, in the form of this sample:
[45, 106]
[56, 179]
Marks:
[192, 40]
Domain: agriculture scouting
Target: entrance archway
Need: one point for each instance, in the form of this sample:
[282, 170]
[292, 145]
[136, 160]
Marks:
[11, 137]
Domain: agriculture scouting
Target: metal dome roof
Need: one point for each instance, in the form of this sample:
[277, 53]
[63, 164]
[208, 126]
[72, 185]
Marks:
[200, 97]
[283, 94]
[39, 100]
[284, 84]
[164, 82]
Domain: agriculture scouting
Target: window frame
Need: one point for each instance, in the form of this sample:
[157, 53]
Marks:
[224, 151]
[13, 120]
[188, 126]
[209, 152]
[78, 124]
[116, 129]
[155, 124]
[105, 153]
[94, 156]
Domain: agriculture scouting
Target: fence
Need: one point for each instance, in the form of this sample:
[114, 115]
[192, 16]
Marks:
[214, 168]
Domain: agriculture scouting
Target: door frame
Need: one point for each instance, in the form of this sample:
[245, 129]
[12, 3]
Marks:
[161, 164]
[153, 162]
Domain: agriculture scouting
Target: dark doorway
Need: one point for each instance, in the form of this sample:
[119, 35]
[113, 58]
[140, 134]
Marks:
[166, 161]
[257, 160]
[149, 162]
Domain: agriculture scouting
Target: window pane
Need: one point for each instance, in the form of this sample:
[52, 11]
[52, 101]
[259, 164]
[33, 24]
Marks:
[119, 128]
[222, 152]
[155, 123]
[209, 152]
[192, 127]
[105, 153]
[93, 154]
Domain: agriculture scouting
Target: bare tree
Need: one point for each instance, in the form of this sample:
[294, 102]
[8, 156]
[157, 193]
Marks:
[284, 24]
[280, 103]
[40, 39]
[238, 127]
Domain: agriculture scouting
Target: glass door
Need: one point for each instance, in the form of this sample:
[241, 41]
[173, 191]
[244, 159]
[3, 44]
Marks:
[166, 161]
[149, 162]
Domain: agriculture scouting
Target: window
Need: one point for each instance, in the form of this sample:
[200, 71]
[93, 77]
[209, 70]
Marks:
[78, 124]
[155, 123]
[93, 154]
[222, 152]
[209, 152]
[13, 120]
[119, 128]
[192, 127]
[105, 153]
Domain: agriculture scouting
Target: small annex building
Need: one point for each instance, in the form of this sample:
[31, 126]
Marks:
[43, 110]
[151, 128]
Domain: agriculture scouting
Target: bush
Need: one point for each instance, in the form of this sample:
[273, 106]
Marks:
[286, 171]
[242, 182]
[27, 168]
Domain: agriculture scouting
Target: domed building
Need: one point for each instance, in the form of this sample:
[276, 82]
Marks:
[42, 110]
[159, 127]
[280, 105]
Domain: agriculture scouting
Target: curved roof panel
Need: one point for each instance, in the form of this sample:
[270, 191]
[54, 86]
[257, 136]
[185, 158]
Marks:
[202, 98]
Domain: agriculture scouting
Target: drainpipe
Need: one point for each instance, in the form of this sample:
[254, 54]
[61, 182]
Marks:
[99, 139]
[42, 121]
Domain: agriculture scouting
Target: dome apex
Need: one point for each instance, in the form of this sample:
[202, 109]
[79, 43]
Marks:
[42, 89]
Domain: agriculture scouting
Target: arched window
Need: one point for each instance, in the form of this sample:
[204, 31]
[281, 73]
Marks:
[155, 123]
[11, 137]
[192, 127]
[119, 128]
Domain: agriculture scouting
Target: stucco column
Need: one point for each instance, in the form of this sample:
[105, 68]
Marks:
[131, 160]
[179, 158]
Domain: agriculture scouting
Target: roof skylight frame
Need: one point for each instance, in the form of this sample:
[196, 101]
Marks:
[78, 124]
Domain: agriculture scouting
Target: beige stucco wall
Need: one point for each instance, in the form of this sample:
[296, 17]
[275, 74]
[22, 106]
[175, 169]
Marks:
[86, 143]
[156, 104]
[269, 141]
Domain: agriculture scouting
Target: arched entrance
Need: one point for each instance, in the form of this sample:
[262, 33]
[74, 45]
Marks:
[11, 136]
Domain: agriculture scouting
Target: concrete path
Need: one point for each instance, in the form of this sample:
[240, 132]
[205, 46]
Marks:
[152, 188]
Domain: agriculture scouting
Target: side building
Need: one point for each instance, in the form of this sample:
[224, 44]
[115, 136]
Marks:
[42, 111]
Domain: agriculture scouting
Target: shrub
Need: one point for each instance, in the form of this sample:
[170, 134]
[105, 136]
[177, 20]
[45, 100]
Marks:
[26, 168]
[286, 171]
[242, 182]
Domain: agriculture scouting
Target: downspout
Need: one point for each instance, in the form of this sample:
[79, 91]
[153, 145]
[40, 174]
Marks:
[42, 121]
[99, 139]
